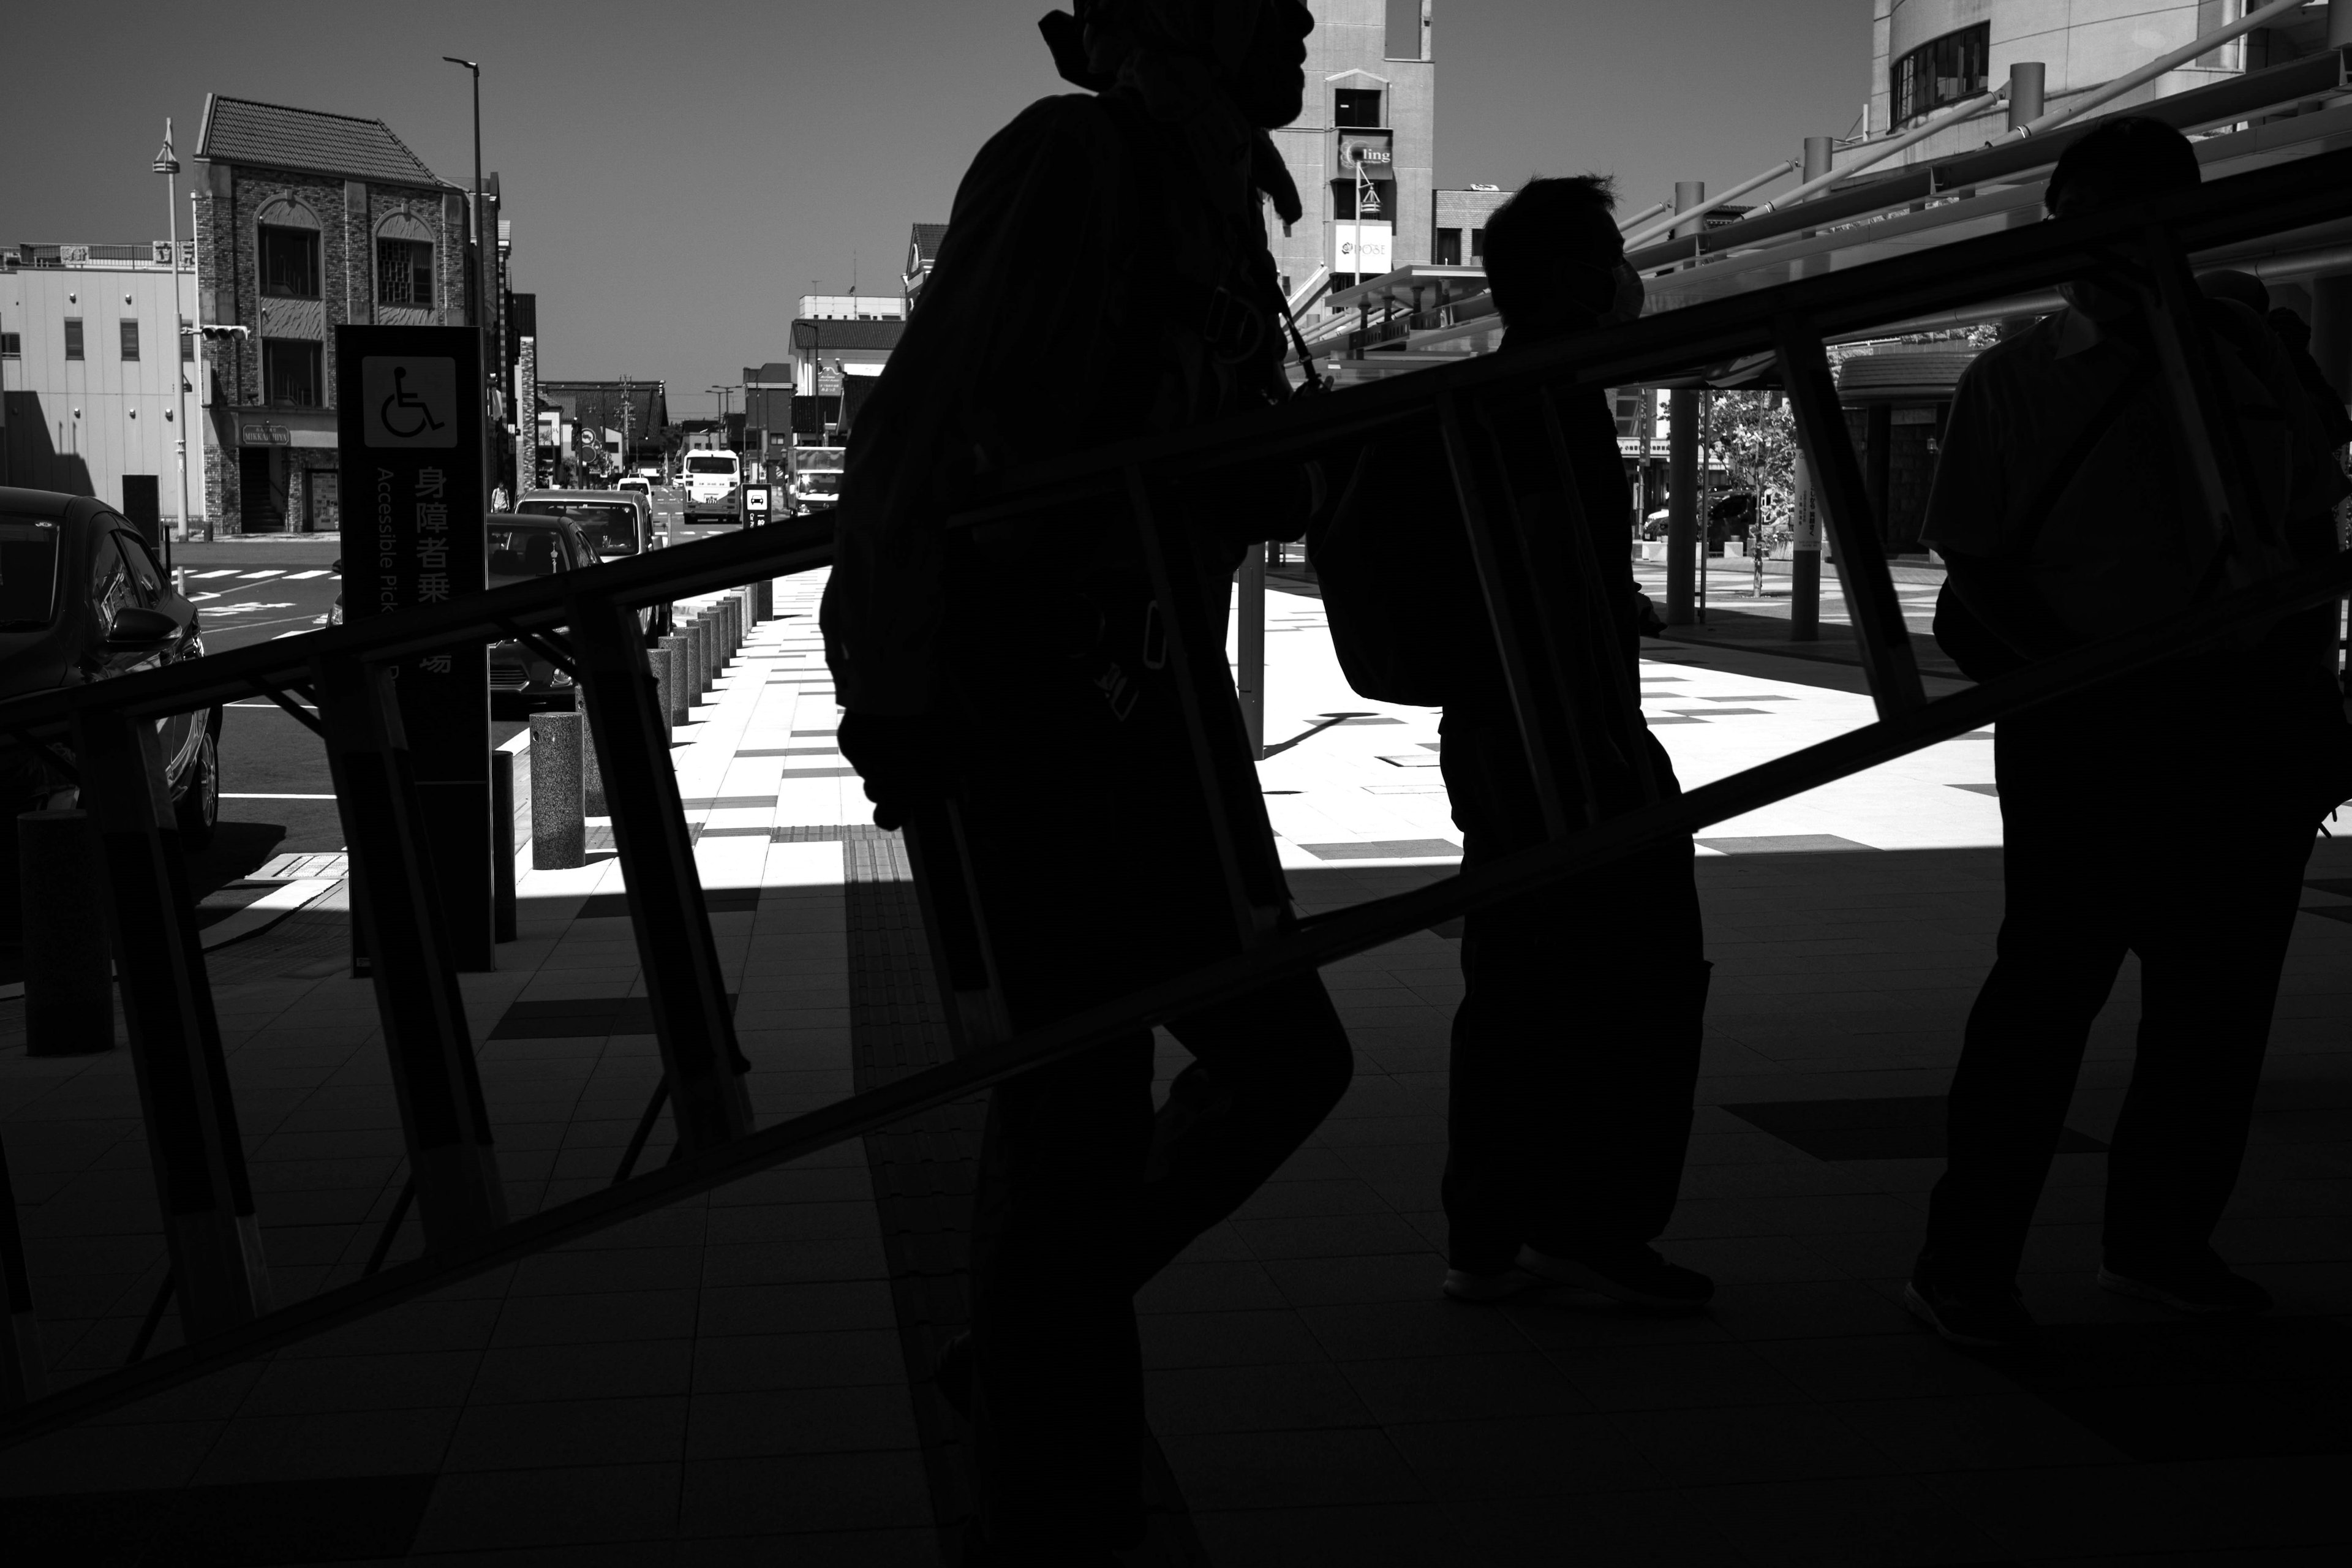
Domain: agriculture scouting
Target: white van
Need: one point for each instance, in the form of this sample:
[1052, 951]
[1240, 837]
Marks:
[712, 480]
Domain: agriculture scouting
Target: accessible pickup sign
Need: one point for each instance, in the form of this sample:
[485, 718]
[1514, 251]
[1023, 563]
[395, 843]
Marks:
[411, 429]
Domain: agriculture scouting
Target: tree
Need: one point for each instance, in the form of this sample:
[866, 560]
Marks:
[1754, 435]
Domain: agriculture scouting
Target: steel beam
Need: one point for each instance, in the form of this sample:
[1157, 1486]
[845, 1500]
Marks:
[1877, 614]
[707, 1092]
[396, 908]
[201, 1185]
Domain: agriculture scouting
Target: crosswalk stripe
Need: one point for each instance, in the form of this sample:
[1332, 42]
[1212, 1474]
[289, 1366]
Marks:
[273, 572]
[298, 576]
[223, 571]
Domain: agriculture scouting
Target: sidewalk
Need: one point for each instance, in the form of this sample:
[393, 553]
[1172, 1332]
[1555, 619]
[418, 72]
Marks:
[738, 1379]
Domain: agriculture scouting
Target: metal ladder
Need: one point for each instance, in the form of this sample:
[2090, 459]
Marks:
[1482, 411]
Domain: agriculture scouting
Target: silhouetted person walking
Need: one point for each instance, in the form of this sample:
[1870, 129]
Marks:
[2168, 813]
[1576, 1047]
[1105, 276]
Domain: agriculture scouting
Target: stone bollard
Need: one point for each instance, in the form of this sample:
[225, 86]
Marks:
[678, 693]
[698, 660]
[69, 982]
[559, 831]
[713, 654]
[657, 661]
[730, 616]
[763, 599]
[592, 772]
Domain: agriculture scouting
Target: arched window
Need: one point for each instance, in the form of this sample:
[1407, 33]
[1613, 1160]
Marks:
[403, 262]
[1940, 72]
[286, 239]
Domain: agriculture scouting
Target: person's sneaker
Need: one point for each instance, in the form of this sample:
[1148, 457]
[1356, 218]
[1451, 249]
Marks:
[1637, 1276]
[1463, 1285]
[2201, 1286]
[1982, 1317]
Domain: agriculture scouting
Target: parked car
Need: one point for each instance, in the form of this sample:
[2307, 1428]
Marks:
[82, 599]
[617, 522]
[521, 547]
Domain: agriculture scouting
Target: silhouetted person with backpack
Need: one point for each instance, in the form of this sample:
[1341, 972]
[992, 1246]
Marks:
[1105, 277]
[1576, 1047]
[2167, 813]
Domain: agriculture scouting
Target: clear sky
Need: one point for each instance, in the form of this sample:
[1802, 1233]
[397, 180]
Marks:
[677, 177]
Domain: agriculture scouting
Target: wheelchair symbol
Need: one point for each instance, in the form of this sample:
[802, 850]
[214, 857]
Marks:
[416, 399]
[406, 401]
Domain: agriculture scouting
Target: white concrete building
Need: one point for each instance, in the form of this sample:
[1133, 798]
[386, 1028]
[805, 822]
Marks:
[91, 360]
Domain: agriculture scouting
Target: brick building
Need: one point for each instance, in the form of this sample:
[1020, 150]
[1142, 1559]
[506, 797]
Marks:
[305, 221]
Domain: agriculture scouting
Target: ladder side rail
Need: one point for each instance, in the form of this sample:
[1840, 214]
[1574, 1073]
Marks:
[1581, 708]
[1545, 730]
[709, 1093]
[397, 911]
[2250, 544]
[1313, 942]
[1880, 631]
[202, 1188]
[24, 1370]
[1596, 586]
[1226, 773]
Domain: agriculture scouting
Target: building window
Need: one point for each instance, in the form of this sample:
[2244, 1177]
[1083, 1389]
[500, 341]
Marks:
[1404, 40]
[130, 340]
[1356, 108]
[404, 272]
[291, 372]
[289, 263]
[1449, 248]
[1477, 245]
[73, 337]
[1940, 72]
[12, 345]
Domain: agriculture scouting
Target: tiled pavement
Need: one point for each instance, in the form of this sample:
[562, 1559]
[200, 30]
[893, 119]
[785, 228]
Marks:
[728, 1380]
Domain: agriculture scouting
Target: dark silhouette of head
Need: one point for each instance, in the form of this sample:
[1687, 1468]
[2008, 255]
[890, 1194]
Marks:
[1554, 258]
[1256, 48]
[2126, 160]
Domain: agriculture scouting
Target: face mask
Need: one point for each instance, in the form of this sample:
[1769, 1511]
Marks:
[1626, 306]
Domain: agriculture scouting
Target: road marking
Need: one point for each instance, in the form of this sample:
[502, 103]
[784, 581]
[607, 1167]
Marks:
[298, 576]
[273, 572]
[225, 795]
[223, 571]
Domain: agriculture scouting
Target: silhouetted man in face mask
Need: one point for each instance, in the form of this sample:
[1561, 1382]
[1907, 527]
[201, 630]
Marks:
[1105, 276]
[2168, 813]
[1576, 1047]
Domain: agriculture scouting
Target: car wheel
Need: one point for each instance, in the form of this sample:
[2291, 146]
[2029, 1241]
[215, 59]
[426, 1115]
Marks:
[199, 804]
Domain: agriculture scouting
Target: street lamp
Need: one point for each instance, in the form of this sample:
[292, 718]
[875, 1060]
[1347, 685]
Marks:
[167, 164]
[474, 203]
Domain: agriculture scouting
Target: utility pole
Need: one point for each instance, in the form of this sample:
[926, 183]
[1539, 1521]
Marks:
[1681, 462]
[167, 164]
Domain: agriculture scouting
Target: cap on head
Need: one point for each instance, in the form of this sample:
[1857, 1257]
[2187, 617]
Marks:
[2238, 287]
[2124, 160]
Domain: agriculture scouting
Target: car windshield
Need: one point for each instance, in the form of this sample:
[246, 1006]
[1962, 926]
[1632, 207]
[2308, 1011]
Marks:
[525, 552]
[818, 459]
[28, 573]
[611, 525]
[710, 465]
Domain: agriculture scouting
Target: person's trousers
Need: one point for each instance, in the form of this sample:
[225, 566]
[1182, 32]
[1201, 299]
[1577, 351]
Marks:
[1085, 1193]
[1576, 1047]
[2196, 868]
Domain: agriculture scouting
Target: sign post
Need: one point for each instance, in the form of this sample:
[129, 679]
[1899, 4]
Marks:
[413, 450]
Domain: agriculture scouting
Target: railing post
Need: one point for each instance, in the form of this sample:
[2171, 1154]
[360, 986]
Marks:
[1249, 635]
[201, 1186]
[24, 1371]
[692, 1018]
[1877, 614]
[397, 903]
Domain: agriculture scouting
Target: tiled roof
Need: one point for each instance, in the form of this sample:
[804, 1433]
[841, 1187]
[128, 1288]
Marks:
[772, 373]
[240, 130]
[863, 334]
[926, 242]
